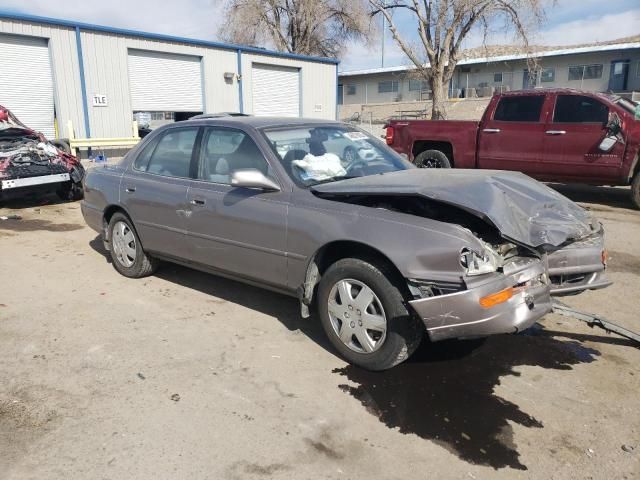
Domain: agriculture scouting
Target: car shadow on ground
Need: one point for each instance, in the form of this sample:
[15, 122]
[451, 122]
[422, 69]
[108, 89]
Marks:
[618, 197]
[286, 309]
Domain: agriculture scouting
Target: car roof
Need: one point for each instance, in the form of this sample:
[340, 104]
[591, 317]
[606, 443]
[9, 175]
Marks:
[543, 91]
[259, 122]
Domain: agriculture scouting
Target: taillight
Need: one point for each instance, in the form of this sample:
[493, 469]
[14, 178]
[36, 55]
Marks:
[390, 135]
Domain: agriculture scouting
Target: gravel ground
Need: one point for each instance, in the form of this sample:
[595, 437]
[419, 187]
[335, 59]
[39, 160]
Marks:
[185, 375]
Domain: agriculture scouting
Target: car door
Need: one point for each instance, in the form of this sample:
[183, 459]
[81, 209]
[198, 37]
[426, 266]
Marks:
[154, 191]
[236, 230]
[572, 137]
[512, 138]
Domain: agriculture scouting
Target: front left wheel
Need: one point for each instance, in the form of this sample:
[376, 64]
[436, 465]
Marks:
[363, 313]
[126, 250]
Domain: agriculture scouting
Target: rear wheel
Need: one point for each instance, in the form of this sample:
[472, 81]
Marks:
[432, 159]
[363, 313]
[635, 191]
[127, 254]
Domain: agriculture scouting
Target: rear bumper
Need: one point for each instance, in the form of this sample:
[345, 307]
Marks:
[460, 314]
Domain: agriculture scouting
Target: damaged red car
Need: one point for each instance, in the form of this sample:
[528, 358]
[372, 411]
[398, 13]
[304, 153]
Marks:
[30, 164]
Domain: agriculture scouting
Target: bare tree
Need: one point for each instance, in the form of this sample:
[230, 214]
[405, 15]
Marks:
[442, 26]
[309, 27]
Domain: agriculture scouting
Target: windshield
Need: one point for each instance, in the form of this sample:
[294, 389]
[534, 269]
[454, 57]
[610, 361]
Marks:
[313, 155]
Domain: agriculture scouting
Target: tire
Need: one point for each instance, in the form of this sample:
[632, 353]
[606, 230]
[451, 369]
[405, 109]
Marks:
[350, 155]
[70, 192]
[432, 159]
[62, 144]
[380, 350]
[133, 263]
[635, 191]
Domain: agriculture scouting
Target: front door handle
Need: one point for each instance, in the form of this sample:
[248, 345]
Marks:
[555, 132]
[130, 189]
[197, 201]
[491, 130]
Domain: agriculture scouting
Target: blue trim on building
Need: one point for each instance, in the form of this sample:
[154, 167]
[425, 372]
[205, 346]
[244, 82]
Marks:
[158, 36]
[83, 86]
[239, 80]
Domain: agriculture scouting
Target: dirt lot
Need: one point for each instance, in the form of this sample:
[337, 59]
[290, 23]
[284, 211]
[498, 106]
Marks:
[185, 375]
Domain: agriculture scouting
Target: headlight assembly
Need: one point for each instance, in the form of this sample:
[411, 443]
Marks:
[478, 263]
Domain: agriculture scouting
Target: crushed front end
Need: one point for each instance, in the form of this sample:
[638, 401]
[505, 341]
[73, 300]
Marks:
[30, 164]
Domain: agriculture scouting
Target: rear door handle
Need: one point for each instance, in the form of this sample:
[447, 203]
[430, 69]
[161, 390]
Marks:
[491, 130]
[197, 201]
[130, 189]
[555, 132]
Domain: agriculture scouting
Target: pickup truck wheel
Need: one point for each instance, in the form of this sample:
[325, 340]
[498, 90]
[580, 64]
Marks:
[364, 315]
[432, 159]
[126, 251]
[635, 191]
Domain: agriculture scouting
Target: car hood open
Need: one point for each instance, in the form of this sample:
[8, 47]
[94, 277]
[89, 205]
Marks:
[521, 208]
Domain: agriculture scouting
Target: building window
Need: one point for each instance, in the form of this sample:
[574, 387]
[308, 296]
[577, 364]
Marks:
[548, 75]
[388, 86]
[340, 94]
[497, 77]
[351, 89]
[585, 72]
[417, 85]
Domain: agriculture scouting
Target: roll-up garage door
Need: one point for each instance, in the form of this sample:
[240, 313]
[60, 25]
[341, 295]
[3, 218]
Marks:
[162, 82]
[276, 90]
[26, 81]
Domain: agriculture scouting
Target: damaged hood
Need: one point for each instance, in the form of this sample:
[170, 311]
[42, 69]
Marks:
[521, 208]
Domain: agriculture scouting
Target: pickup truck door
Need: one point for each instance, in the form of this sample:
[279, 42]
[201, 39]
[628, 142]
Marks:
[236, 230]
[511, 135]
[572, 136]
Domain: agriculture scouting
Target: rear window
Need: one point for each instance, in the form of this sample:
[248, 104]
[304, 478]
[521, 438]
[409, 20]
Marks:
[519, 109]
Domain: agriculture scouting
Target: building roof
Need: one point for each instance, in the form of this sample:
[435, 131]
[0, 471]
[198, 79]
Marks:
[157, 36]
[503, 53]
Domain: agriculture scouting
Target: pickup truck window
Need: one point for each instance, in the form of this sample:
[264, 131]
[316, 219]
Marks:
[519, 109]
[579, 109]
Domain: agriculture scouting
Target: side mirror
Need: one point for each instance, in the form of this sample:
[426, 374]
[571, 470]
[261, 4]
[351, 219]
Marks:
[613, 126]
[253, 178]
[607, 143]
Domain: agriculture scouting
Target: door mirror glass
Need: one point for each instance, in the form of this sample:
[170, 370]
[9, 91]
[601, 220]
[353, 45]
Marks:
[607, 143]
[253, 178]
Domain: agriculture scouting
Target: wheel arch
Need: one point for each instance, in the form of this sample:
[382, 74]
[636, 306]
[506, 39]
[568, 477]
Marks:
[109, 212]
[336, 250]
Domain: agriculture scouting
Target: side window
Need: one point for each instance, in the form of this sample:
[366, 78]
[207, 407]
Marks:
[142, 160]
[519, 109]
[172, 155]
[225, 150]
[579, 109]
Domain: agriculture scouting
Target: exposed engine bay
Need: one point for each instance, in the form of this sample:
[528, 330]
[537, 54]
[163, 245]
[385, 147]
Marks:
[29, 163]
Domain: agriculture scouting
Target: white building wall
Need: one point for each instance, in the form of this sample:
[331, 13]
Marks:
[318, 84]
[106, 72]
[64, 62]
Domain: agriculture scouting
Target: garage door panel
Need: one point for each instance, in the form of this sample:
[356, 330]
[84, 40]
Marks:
[164, 82]
[26, 81]
[276, 91]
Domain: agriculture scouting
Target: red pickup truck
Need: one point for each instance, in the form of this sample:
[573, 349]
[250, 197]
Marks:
[558, 135]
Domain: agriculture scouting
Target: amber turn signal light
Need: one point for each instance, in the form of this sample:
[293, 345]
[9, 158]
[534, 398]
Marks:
[497, 298]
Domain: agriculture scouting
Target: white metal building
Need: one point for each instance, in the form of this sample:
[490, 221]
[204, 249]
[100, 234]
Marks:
[56, 70]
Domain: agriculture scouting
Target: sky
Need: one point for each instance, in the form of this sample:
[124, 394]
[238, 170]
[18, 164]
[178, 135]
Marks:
[567, 22]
